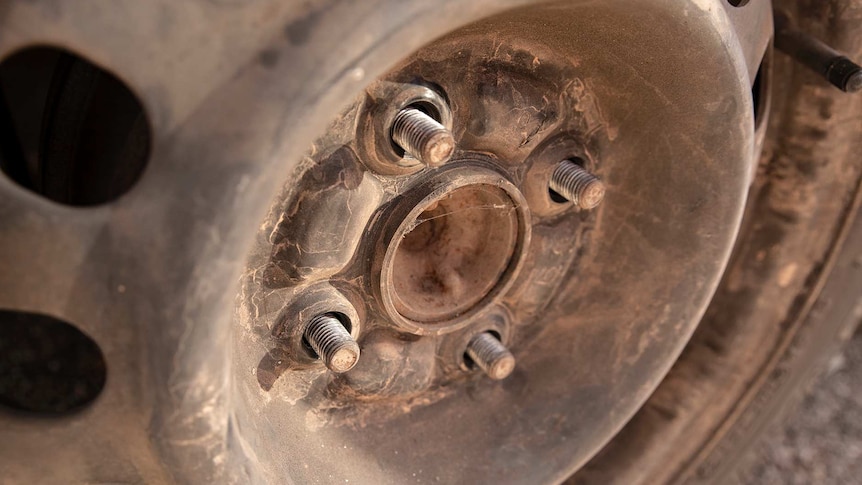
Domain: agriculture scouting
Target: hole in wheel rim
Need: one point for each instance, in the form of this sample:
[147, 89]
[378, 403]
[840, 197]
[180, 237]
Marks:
[47, 366]
[69, 130]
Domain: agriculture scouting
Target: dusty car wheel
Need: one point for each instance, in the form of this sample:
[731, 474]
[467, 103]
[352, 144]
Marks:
[399, 241]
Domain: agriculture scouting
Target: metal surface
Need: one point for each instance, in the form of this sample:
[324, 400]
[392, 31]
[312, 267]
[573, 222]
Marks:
[199, 396]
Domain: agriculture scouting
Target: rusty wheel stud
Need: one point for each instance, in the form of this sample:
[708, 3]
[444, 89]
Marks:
[422, 137]
[832, 65]
[332, 342]
[575, 184]
[491, 356]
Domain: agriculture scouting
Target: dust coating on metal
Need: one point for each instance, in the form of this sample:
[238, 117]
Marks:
[519, 105]
[203, 397]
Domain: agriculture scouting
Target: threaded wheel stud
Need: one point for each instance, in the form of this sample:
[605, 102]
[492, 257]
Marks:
[332, 342]
[577, 185]
[826, 61]
[422, 137]
[491, 356]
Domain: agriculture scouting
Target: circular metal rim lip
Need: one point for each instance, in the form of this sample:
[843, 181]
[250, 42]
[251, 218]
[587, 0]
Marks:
[456, 177]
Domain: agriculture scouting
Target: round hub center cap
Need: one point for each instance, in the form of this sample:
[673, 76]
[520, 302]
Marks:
[458, 246]
[455, 254]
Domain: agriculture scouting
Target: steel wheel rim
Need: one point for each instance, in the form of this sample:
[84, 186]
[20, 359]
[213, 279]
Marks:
[180, 385]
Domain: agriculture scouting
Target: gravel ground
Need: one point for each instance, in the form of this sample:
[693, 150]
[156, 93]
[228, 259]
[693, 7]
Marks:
[821, 442]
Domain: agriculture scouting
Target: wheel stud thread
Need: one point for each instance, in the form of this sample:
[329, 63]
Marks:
[831, 64]
[577, 185]
[332, 342]
[491, 356]
[422, 137]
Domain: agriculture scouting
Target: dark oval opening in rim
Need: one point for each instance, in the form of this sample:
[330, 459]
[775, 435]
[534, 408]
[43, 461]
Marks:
[47, 366]
[69, 130]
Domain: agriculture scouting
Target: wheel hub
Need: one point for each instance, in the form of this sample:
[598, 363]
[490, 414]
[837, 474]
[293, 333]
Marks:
[501, 250]
[456, 251]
